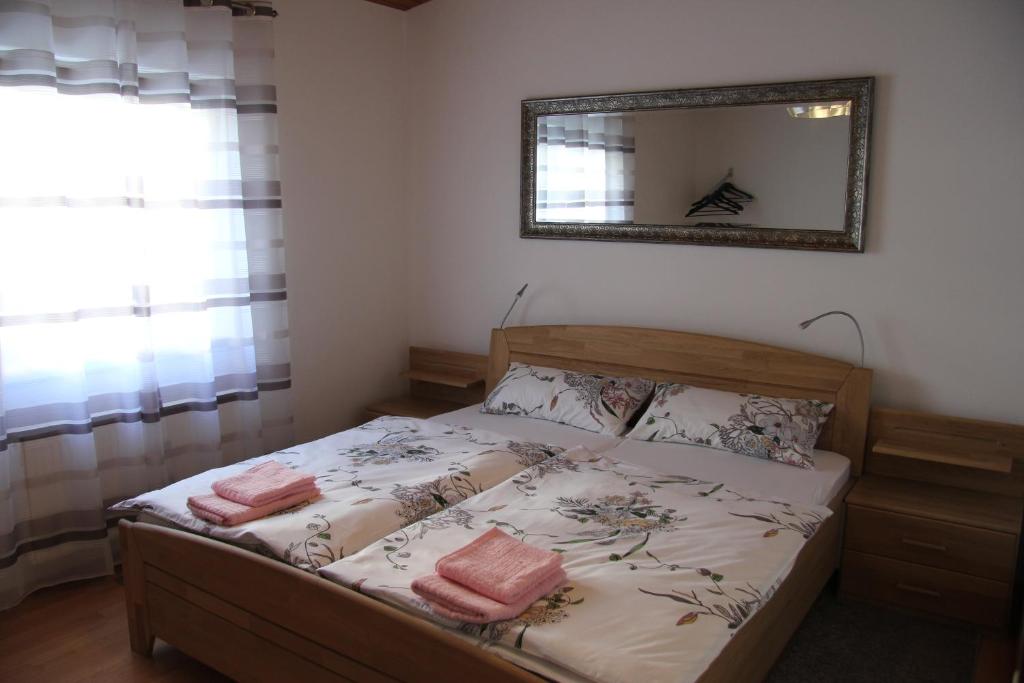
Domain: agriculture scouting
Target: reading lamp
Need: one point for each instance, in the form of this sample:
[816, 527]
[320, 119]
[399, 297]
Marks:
[519, 295]
[807, 323]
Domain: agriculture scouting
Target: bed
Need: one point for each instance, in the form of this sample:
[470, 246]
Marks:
[254, 618]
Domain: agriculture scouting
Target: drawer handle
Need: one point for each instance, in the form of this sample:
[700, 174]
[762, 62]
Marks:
[923, 544]
[917, 589]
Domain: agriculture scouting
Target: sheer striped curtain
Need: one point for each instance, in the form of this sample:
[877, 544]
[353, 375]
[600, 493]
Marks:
[586, 168]
[143, 328]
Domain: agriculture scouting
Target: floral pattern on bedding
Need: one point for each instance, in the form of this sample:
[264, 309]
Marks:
[551, 609]
[662, 570]
[374, 480]
[781, 429]
[592, 402]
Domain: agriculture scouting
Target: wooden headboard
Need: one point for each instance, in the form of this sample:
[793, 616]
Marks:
[700, 360]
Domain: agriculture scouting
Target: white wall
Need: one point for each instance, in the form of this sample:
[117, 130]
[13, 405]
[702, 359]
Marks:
[342, 108]
[795, 168]
[940, 288]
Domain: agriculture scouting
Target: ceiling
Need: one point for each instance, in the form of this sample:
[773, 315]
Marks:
[399, 4]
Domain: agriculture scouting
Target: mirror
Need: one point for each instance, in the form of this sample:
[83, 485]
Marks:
[770, 166]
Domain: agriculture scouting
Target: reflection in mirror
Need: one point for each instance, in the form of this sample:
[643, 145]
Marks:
[771, 166]
[586, 168]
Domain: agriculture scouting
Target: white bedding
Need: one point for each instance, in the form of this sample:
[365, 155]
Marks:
[765, 478]
[662, 570]
[529, 428]
[374, 480]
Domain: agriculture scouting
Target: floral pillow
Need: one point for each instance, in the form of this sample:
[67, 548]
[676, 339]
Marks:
[592, 402]
[780, 429]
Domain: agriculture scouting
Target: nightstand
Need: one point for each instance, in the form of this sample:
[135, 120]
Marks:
[934, 524]
[439, 382]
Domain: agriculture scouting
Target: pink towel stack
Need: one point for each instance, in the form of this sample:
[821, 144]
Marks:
[490, 579]
[259, 491]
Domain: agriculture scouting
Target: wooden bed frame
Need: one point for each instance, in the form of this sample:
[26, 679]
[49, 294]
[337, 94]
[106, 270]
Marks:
[257, 619]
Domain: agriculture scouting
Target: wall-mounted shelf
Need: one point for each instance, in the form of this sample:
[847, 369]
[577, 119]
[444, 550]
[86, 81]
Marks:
[978, 458]
[952, 451]
[439, 382]
[450, 378]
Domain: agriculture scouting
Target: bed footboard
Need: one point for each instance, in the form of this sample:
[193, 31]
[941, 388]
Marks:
[255, 619]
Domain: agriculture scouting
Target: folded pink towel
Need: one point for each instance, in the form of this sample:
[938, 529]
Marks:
[263, 483]
[498, 566]
[226, 512]
[454, 601]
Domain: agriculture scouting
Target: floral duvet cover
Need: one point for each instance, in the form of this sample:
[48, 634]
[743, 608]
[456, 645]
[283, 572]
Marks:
[374, 480]
[663, 569]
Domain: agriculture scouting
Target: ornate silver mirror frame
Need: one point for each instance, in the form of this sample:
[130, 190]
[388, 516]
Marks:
[851, 238]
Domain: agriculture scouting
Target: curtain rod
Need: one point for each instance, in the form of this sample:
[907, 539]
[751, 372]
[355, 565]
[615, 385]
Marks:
[238, 9]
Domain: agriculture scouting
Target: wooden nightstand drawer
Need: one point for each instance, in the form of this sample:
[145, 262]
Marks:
[979, 552]
[936, 591]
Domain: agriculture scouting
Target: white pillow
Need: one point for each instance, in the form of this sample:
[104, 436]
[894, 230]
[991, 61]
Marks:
[780, 429]
[592, 402]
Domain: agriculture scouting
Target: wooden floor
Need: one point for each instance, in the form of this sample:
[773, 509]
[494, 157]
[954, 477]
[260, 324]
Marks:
[78, 632]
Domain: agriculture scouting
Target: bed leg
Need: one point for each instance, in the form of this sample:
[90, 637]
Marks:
[139, 633]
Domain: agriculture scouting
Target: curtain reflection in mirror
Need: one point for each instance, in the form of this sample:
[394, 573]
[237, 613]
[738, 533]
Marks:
[586, 168]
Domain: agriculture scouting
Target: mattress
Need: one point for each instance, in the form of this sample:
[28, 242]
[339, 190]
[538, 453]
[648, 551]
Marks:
[765, 478]
[529, 429]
